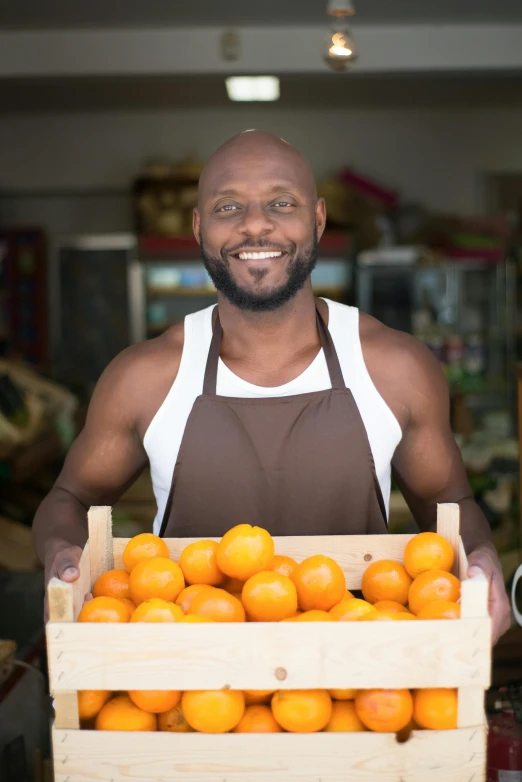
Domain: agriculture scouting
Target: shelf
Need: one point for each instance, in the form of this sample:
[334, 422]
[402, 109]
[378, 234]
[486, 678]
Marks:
[154, 248]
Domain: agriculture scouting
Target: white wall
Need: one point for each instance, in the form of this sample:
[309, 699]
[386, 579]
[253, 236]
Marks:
[433, 156]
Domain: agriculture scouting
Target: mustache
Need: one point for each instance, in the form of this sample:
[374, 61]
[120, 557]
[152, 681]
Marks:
[257, 243]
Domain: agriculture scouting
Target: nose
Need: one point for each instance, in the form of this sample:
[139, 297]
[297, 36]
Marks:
[256, 221]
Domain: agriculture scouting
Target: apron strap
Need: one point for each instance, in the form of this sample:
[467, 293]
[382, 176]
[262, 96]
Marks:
[330, 354]
[211, 369]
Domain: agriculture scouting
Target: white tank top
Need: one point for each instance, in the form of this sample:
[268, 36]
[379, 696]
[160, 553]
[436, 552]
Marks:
[163, 437]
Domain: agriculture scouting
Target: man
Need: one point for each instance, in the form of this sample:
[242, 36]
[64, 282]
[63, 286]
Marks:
[273, 408]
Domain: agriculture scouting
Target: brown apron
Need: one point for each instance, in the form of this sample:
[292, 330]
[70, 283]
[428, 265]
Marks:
[295, 465]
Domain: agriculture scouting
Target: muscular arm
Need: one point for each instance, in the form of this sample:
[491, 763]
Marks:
[428, 464]
[104, 460]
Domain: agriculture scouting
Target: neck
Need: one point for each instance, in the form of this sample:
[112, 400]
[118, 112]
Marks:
[269, 336]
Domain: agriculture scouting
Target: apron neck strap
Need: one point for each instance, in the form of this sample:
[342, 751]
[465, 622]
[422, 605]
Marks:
[330, 354]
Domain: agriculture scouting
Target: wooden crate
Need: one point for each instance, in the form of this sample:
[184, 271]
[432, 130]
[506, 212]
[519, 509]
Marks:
[439, 653]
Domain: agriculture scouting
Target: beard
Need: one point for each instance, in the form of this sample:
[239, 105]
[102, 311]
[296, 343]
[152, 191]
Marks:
[299, 270]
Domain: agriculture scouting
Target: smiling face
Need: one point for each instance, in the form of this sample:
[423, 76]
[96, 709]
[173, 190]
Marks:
[258, 221]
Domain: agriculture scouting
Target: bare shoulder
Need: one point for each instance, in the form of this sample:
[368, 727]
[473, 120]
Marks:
[138, 379]
[403, 369]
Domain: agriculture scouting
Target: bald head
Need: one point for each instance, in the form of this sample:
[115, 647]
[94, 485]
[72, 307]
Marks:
[258, 221]
[260, 151]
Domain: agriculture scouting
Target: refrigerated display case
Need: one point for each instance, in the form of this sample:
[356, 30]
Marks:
[461, 309]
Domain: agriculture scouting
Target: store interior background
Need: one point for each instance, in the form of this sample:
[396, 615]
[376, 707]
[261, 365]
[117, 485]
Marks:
[107, 113]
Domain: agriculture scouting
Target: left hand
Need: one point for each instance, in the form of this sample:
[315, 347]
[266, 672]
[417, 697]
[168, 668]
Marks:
[484, 560]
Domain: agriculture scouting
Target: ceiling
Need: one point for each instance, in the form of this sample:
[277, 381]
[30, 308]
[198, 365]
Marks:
[326, 91]
[45, 14]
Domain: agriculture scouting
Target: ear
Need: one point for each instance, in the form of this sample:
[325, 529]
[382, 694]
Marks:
[320, 217]
[196, 224]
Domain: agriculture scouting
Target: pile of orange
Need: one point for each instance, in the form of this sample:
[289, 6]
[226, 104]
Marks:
[241, 578]
[295, 711]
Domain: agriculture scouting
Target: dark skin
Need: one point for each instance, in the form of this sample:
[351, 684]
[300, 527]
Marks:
[258, 188]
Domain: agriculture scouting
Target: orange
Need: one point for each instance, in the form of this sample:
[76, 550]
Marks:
[90, 702]
[320, 583]
[390, 605]
[431, 586]
[435, 709]
[386, 580]
[440, 609]
[384, 711]
[314, 616]
[174, 721]
[404, 615]
[198, 562]
[213, 711]
[155, 701]
[187, 595]
[285, 566]
[218, 605]
[113, 583]
[257, 696]
[244, 551]
[302, 711]
[380, 616]
[428, 551]
[234, 586]
[158, 577]
[157, 610]
[121, 713]
[144, 546]
[344, 718]
[195, 619]
[104, 609]
[269, 597]
[128, 602]
[350, 609]
[257, 719]
[343, 695]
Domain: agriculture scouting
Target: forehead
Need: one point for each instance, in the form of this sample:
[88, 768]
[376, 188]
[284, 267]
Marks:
[254, 171]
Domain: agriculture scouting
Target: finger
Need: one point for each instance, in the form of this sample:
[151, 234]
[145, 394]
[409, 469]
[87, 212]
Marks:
[87, 597]
[66, 565]
[478, 570]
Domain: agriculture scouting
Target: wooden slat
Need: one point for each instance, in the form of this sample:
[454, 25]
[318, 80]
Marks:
[463, 562]
[474, 597]
[100, 540]
[247, 656]
[448, 525]
[82, 586]
[353, 552]
[474, 603]
[429, 756]
[471, 707]
[60, 598]
[61, 610]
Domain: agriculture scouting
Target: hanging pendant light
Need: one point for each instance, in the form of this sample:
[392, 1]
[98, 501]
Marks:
[339, 49]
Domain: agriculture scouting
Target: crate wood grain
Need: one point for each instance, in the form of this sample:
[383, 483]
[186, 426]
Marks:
[439, 653]
[428, 756]
[256, 656]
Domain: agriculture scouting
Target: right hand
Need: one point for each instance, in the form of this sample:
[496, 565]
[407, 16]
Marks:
[62, 561]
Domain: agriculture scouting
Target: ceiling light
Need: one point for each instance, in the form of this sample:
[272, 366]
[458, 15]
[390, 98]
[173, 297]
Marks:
[252, 88]
[339, 49]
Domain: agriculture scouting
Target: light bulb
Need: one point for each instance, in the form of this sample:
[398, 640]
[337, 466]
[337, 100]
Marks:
[339, 51]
